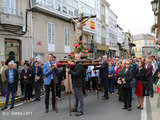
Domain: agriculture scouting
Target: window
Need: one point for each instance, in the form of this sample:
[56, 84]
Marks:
[10, 7]
[99, 34]
[107, 36]
[150, 42]
[50, 4]
[58, 5]
[139, 42]
[148, 50]
[102, 9]
[67, 39]
[135, 49]
[103, 32]
[145, 42]
[140, 49]
[85, 39]
[70, 10]
[135, 43]
[51, 37]
[64, 6]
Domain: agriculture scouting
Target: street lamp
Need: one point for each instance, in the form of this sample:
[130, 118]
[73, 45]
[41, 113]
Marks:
[154, 4]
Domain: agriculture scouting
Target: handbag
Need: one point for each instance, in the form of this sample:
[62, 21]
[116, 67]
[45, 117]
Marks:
[133, 83]
[62, 87]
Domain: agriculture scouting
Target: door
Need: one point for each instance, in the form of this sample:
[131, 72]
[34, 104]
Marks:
[13, 51]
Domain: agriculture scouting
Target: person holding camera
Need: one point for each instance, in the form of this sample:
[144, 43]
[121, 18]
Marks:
[49, 68]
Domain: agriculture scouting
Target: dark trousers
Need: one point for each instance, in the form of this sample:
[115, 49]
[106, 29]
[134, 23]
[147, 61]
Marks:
[105, 84]
[10, 87]
[58, 90]
[31, 91]
[2, 87]
[111, 84]
[47, 92]
[94, 84]
[115, 83]
[88, 84]
[28, 88]
[151, 91]
[120, 92]
[22, 86]
[127, 96]
[37, 88]
[78, 96]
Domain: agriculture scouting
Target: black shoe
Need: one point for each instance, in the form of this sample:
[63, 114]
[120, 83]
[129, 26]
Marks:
[3, 108]
[129, 109]
[73, 110]
[46, 110]
[141, 108]
[54, 108]
[35, 99]
[138, 107]
[105, 98]
[124, 108]
[151, 96]
[11, 107]
[79, 113]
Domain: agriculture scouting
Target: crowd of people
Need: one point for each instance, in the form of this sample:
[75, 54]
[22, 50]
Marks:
[110, 74]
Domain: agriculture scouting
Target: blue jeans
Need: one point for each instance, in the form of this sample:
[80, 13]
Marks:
[111, 84]
[10, 87]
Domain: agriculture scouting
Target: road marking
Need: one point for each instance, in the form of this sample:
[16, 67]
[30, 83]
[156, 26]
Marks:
[144, 111]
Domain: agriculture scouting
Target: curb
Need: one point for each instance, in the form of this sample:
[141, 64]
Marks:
[17, 99]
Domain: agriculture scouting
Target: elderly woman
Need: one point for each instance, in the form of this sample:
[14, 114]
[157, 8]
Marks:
[119, 82]
[111, 72]
[38, 76]
[126, 77]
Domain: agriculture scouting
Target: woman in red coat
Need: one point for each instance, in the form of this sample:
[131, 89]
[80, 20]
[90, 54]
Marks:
[140, 89]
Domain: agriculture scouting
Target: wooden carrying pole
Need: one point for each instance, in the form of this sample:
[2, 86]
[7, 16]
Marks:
[69, 95]
[55, 91]
[84, 84]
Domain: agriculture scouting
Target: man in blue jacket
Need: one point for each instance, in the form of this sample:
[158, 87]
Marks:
[49, 68]
[12, 80]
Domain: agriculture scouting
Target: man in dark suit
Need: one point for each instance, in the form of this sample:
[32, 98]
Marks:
[149, 68]
[104, 76]
[12, 80]
[77, 78]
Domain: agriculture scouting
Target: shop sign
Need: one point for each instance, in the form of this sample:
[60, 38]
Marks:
[102, 48]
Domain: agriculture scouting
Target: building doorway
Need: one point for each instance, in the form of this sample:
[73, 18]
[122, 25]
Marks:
[13, 51]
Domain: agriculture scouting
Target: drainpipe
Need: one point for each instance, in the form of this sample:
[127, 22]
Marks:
[31, 28]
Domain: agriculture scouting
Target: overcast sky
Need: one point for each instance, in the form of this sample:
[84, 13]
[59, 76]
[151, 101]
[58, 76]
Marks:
[134, 15]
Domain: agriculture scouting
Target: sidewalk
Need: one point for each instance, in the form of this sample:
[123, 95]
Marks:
[153, 102]
[17, 99]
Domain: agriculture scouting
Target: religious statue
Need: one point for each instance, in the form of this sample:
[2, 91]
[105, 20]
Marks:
[79, 24]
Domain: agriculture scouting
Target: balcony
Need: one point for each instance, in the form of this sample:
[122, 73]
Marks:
[57, 8]
[9, 16]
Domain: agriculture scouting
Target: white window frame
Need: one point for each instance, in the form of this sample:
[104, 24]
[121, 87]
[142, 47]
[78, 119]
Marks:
[10, 7]
[102, 9]
[67, 37]
[51, 46]
[99, 32]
